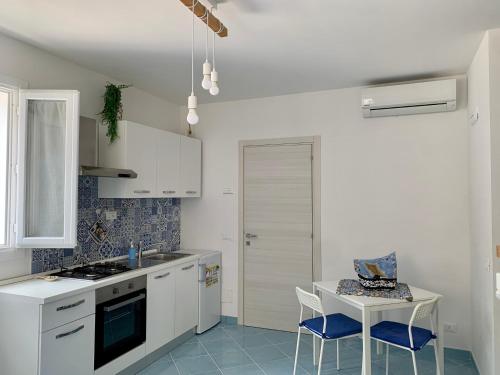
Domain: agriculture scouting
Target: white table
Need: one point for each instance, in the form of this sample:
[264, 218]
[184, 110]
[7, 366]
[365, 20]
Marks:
[367, 305]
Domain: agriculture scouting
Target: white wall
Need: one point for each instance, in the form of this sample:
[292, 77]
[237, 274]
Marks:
[397, 183]
[481, 210]
[494, 39]
[42, 70]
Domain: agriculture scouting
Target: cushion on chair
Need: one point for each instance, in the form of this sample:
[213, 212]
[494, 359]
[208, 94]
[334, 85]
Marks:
[337, 326]
[397, 333]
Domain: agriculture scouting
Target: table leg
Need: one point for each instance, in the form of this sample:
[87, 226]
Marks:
[380, 346]
[440, 341]
[315, 339]
[367, 351]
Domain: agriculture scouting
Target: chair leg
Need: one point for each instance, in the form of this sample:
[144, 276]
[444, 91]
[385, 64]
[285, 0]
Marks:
[338, 356]
[436, 353]
[414, 362]
[321, 356]
[386, 359]
[296, 352]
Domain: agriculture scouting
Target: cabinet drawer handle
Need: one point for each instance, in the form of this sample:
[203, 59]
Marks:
[61, 335]
[142, 191]
[162, 276]
[66, 307]
[188, 267]
[191, 192]
[169, 191]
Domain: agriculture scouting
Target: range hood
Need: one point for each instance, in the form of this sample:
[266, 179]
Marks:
[88, 153]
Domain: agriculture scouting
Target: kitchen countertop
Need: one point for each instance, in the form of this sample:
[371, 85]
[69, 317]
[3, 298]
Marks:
[39, 291]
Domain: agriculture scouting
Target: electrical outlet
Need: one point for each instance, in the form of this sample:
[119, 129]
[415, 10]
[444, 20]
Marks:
[111, 215]
[450, 327]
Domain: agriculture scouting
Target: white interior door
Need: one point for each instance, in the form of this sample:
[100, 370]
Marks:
[278, 227]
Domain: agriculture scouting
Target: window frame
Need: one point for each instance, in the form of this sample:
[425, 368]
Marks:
[69, 237]
[11, 185]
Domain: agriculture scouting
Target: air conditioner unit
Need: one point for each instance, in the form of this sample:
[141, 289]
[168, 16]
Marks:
[410, 99]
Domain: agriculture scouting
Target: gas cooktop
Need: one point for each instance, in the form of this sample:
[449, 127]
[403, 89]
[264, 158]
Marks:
[95, 271]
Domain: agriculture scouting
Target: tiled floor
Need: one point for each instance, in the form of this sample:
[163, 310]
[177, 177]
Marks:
[237, 350]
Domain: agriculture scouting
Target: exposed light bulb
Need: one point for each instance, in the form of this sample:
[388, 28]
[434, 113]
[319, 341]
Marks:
[192, 117]
[214, 78]
[206, 83]
[214, 90]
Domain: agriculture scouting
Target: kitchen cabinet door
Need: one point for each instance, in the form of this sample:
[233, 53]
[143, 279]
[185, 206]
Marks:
[141, 158]
[160, 309]
[190, 167]
[168, 158]
[68, 349]
[186, 297]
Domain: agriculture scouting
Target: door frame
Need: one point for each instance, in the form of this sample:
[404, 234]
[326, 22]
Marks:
[315, 142]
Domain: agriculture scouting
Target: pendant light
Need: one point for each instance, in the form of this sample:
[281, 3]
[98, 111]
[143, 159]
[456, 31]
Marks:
[207, 67]
[214, 76]
[192, 117]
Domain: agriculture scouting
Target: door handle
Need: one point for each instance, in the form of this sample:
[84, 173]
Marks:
[61, 335]
[191, 192]
[162, 276]
[66, 307]
[142, 191]
[250, 235]
[169, 191]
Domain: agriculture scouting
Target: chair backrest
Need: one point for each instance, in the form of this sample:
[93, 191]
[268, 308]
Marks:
[310, 300]
[422, 311]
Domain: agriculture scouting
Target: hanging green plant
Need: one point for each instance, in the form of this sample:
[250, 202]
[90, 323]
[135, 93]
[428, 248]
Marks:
[113, 110]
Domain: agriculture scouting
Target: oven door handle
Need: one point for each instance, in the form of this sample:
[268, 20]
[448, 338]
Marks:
[124, 303]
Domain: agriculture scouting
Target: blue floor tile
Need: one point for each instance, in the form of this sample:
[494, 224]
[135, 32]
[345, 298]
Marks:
[237, 350]
[196, 365]
[243, 370]
[265, 353]
[231, 359]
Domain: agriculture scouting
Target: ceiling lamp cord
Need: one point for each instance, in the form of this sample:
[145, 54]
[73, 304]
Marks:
[207, 67]
[214, 76]
[192, 117]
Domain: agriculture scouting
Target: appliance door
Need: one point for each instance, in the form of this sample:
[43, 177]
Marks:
[120, 326]
[209, 292]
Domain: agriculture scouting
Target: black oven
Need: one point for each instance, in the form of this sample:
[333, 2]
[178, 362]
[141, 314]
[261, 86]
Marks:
[120, 319]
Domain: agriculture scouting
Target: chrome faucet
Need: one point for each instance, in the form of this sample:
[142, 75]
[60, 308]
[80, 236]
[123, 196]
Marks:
[141, 248]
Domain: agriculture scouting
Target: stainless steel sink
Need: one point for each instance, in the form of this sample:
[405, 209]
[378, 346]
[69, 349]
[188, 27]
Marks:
[164, 257]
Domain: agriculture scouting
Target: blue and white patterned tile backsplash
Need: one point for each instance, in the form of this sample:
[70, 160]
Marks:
[150, 220]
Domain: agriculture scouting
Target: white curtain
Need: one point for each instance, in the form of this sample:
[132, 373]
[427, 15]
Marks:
[45, 168]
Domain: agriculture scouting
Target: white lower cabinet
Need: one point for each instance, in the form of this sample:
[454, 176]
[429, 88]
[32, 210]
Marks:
[160, 309]
[68, 349]
[186, 297]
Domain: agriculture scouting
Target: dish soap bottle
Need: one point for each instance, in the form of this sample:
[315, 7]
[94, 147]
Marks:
[132, 252]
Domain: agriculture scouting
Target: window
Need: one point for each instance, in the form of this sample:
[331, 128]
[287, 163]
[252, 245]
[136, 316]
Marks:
[7, 97]
[47, 180]
[4, 121]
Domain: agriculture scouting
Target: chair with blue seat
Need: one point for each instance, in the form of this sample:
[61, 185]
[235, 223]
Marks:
[325, 327]
[406, 336]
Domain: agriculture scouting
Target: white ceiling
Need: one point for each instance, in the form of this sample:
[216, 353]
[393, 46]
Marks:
[275, 47]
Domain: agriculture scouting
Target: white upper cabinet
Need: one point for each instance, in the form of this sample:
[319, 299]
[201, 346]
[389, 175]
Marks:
[168, 158]
[168, 165]
[190, 168]
[134, 149]
[47, 181]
